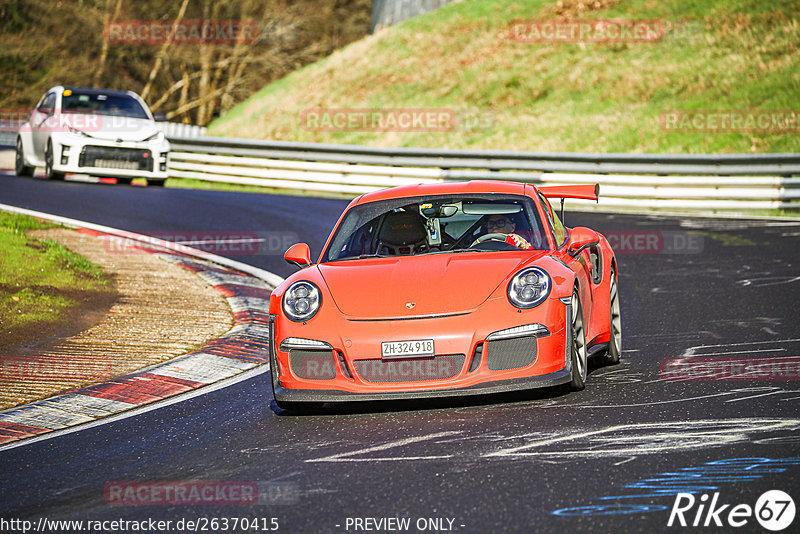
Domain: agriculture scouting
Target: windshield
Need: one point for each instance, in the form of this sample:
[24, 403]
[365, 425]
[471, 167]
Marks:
[438, 224]
[102, 104]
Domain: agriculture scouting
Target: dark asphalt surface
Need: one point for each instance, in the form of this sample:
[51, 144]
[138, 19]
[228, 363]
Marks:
[610, 458]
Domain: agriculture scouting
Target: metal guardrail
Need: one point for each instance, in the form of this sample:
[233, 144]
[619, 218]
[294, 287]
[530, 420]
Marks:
[7, 139]
[178, 129]
[706, 182]
[713, 164]
[389, 12]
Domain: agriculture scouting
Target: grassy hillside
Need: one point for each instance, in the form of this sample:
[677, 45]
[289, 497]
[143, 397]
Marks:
[596, 97]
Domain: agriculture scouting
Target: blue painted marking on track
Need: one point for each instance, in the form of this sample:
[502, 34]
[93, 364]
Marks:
[707, 477]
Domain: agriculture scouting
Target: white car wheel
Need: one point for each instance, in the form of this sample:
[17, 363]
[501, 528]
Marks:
[49, 173]
[19, 162]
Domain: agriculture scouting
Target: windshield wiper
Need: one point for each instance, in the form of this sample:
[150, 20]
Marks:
[459, 250]
[435, 252]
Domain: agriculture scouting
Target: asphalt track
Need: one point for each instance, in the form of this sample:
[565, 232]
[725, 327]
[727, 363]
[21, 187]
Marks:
[610, 458]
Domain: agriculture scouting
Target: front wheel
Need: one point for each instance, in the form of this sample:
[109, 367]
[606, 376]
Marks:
[20, 169]
[49, 173]
[577, 343]
[615, 330]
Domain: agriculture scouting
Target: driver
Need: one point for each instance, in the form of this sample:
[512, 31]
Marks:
[501, 224]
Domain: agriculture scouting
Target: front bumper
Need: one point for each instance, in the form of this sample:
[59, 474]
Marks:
[350, 374]
[77, 154]
[502, 386]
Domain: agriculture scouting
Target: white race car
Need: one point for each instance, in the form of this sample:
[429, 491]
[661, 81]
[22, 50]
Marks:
[100, 132]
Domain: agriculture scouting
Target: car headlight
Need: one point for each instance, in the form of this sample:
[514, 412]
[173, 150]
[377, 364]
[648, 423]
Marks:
[77, 131]
[158, 136]
[529, 288]
[301, 301]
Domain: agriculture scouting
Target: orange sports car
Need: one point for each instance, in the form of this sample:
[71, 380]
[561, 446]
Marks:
[441, 290]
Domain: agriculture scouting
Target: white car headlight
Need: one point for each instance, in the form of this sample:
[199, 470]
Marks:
[301, 301]
[77, 132]
[529, 288]
[158, 136]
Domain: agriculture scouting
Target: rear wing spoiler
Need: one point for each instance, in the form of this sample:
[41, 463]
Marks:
[588, 192]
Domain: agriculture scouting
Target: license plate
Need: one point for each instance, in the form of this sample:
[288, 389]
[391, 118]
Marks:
[407, 349]
[116, 164]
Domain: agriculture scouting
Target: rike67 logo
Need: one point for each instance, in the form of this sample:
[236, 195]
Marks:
[774, 510]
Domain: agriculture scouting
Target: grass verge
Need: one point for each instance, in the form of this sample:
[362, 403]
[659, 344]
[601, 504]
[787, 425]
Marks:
[41, 281]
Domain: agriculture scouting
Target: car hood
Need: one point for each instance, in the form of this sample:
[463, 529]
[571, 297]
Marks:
[419, 286]
[111, 128]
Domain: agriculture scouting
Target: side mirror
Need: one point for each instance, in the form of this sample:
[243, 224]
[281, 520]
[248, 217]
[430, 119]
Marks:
[299, 255]
[160, 117]
[580, 238]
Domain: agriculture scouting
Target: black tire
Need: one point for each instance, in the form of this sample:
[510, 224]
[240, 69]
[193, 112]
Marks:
[19, 161]
[49, 173]
[124, 181]
[577, 345]
[615, 330]
[156, 182]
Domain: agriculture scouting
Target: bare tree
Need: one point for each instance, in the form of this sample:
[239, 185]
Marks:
[47, 43]
[163, 52]
[110, 16]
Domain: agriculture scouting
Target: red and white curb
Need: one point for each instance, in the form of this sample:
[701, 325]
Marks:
[242, 352]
